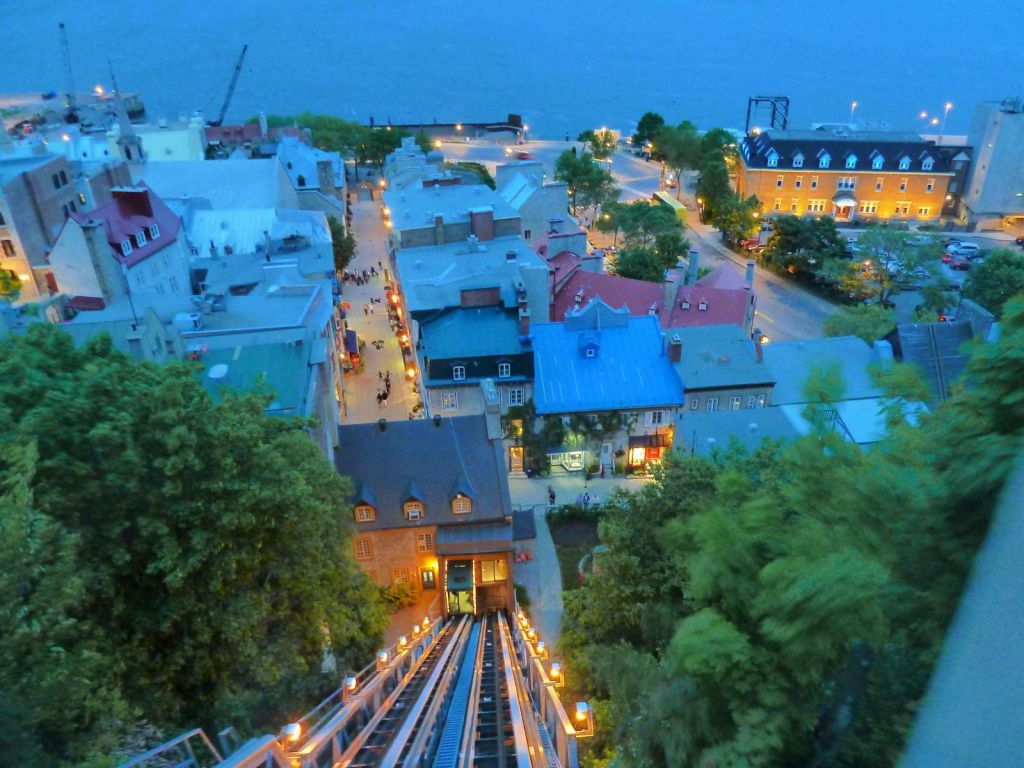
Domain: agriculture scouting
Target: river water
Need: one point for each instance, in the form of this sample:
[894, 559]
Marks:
[564, 65]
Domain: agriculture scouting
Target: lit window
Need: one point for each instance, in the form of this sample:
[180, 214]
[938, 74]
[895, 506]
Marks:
[515, 396]
[493, 570]
[81, 198]
[365, 513]
[364, 551]
[734, 403]
[413, 510]
[424, 542]
[449, 401]
[154, 231]
[126, 247]
[462, 505]
[459, 372]
[712, 404]
[399, 575]
[760, 401]
[504, 370]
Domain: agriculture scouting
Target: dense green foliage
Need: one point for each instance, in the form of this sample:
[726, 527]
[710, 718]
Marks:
[591, 185]
[167, 558]
[867, 321]
[601, 142]
[640, 264]
[653, 238]
[784, 608]
[996, 279]
[649, 125]
[335, 134]
[10, 285]
[343, 243]
[479, 169]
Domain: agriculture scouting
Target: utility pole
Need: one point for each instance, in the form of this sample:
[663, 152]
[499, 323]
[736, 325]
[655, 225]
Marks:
[65, 49]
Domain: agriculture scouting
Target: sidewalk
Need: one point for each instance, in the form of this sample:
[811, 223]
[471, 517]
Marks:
[370, 321]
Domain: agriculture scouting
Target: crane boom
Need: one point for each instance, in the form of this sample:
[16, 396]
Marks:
[231, 87]
[65, 50]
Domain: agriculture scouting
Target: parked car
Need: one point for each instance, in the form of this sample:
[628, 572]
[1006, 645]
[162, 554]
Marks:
[963, 249]
[951, 241]
[960, 262]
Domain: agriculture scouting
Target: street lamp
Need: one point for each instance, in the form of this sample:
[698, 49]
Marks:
[853, 108]
[945, 114]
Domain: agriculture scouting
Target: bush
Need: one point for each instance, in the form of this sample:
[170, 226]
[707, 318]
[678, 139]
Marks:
[398, 596]
[522, 597]
[567, 513]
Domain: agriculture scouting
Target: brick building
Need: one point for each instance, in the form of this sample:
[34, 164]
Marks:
[866, 176]
[431, 507]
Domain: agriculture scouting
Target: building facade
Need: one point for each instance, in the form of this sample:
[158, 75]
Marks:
[431, 508]
[852, 176]
[994, 197]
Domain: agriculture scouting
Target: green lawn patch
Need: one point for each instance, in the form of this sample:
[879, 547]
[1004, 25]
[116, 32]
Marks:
[573, 539]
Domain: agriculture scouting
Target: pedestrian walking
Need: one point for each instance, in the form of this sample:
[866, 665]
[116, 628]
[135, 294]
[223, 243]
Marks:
[551, 495]
[387, 379]
[366, 309]
[373, 271]
[380, 263]
[380, 375]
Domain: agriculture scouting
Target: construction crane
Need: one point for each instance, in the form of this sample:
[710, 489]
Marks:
[231, 87]
[65, 49]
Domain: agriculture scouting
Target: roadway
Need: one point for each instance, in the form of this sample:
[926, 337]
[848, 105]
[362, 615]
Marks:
[785, 310]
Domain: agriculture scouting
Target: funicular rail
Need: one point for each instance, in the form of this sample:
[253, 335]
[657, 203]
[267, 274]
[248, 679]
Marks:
[375, 743]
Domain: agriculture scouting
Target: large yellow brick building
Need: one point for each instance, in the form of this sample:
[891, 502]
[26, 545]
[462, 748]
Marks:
[850, 175]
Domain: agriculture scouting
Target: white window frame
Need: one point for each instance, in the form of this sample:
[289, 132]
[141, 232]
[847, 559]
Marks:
[751, 401]
[516, 396]
[798, 161]
[847, 183]
[924, 210]
[458, 373]
[591, 352]
[778, 203]
[126, 247]
[904, 163]
[655, 418]
[928, 164]
[413, 510]
[711, 405]
[879, 183]
[702, 306]
[140, 237]
[449, 401]
[504, 370]
[363, 548]
[825, 160]
[851, 162]
[694, 403]
[799, 182]
[399, 575]
[876, 164]
[903, 185]
[773, 159]
[816, 206]
[761, 401]
[794, 205]
[154, 231]
[868, 206]
[779, 181]
[814, 182]
[734, 403]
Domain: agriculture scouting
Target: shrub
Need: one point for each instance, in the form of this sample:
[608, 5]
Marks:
[398, 596]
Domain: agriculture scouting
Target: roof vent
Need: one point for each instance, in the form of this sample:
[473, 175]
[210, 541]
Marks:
[510, 255]
[218, 371]
[382, 424]
[754, 429]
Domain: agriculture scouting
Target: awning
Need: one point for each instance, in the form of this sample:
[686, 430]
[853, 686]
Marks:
[661, 440]
[844, 199]
[474, 539]
[87, 303]
[351, 342]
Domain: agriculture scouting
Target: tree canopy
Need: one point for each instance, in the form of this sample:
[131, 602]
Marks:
[343, 244]
[869, 322]
[169, 557]
[784, 606]
[640, 264]
[998, 278]
[590, 184]
[647, 128]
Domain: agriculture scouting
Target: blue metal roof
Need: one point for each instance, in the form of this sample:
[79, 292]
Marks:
[628, 370]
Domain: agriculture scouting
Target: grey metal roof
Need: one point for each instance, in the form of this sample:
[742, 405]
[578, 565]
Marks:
[429, 460]
[716, 356]
[935, 348]
[792, 362]
[476, 332]
[476, 538]
[702, 433]
[892, 146]
[413, 208]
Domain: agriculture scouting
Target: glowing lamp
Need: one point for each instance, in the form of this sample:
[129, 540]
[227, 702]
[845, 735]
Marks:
[415, 630]
[402, 642]
[410, 373]
[293, 732]
[350, 684]
[426, 623]
[98, 90]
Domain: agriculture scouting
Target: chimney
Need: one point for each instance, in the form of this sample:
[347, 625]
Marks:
[675, 348]
[671, 291]
[524, 321]
[382, 424]
[750, 274]
[438, 229]
[758, 350]
[693, 267]
[263, 124]
[492, 409]
[437, 420]
[481, 223]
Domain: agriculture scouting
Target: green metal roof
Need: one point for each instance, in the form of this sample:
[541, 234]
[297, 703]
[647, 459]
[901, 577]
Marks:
[281, 368]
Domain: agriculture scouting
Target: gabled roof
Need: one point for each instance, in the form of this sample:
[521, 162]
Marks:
[471, 332]
[132, 210]
[841, 143]
[718, 356]
[636, 295]
[629, 371]
[429, 460]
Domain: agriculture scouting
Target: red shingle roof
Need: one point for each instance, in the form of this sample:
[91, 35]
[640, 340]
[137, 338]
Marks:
[132, 210]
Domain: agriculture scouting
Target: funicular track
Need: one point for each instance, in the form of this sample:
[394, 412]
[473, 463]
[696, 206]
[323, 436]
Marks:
[386, 735]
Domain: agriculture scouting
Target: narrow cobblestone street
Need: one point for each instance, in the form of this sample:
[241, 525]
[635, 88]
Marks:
[370, 321]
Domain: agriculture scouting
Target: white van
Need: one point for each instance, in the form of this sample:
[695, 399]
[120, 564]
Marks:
[963, 249]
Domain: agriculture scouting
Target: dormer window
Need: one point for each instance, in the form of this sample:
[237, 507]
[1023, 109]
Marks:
[591, 352]
[773, 159]
[798, 160]
[154, 231]
[504, 370]
[462, 505]
[876, 164]
[413, 510]
[126, 247]
[458, 373]
[702, 307]
[685, 305]
[365, 513]
[824, 160]
[851, 161]
[140, 238]
[904, 163]
[927, 164]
